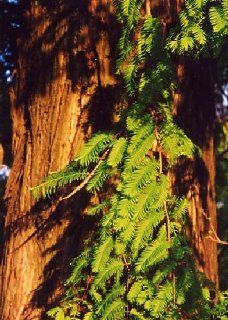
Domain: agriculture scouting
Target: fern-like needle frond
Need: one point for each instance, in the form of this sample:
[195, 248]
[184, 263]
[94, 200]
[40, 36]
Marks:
[152, 255]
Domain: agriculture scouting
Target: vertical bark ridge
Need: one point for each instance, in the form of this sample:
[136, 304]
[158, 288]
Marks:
[195, 112]
[58, 84]
[194, 109]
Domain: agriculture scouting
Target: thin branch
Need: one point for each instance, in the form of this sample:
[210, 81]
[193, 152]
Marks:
[213, 234]
[174, 289]
[167, 222]
[217, 240]
[56, 202]
[126, 264]
[160, 152]
[165, 205]
[89, 176]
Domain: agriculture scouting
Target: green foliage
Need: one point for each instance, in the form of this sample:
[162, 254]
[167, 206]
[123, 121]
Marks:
[78, 169]
[163, 298]
[114, 311]
[152, 255]
[203, 25]
[144, 173]
[221, 309]
[139, 153]
[78, 265]
[114, 269]
[102, 254]
[143, 231]
[219, 17]
[137, 314]
[57, 180]
[58, 314]
[91, 151]
[117, 153]
[99, 177]
[174, 140]
[140, 266]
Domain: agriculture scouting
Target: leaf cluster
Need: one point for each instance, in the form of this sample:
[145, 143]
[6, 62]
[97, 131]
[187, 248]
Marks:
[203, 26]
[140, 265]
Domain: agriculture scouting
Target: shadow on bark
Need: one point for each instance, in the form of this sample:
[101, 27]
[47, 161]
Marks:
[192, 176]
[45, 216]
[61, 35]
[194, 109]
[71, 29]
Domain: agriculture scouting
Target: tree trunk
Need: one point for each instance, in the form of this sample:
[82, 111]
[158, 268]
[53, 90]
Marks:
[65, 89]
[195, 112]
[194, 108]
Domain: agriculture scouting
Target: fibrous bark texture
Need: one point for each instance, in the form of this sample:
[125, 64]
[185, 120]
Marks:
[65, 90]
[194, 109]
[195, 112]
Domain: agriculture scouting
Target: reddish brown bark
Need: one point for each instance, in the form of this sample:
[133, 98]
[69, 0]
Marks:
[195, 112]
[194, 108]
[65, 89]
